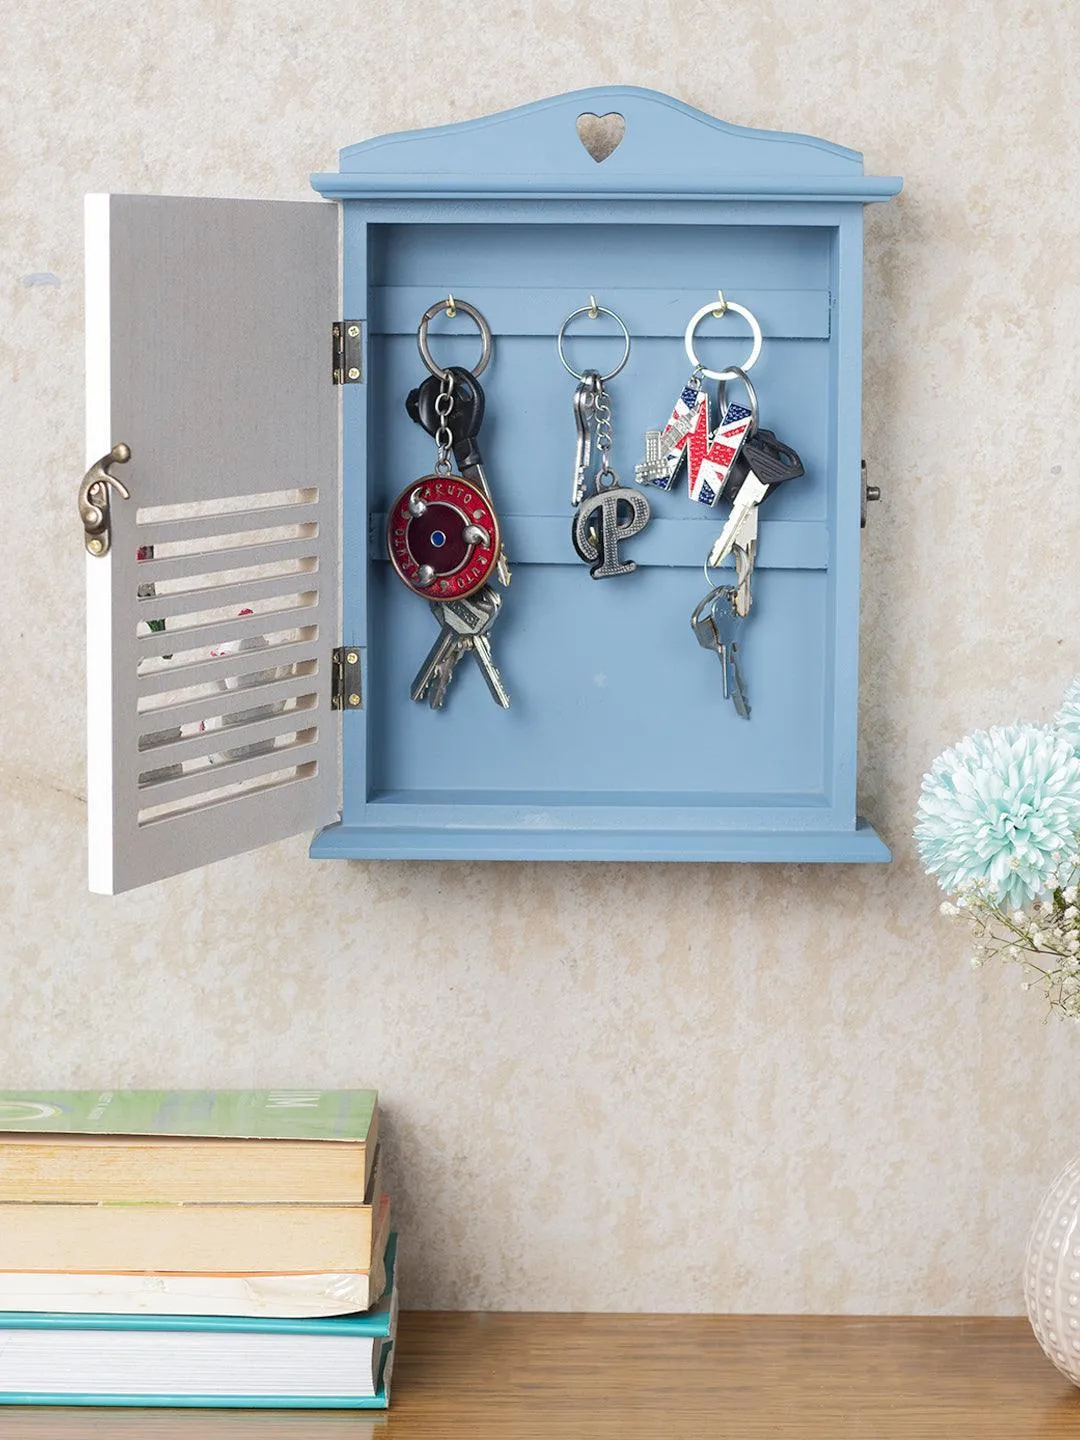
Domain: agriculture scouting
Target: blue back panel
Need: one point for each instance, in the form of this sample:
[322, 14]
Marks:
[618, 742]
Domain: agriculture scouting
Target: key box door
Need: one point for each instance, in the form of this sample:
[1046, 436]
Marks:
[213, 611]
[618, 744]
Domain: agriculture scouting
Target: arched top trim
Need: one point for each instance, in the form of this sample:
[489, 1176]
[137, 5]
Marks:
[667, 148]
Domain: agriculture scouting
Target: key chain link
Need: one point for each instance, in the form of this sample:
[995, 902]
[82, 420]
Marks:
[444, 435]
[605, 475]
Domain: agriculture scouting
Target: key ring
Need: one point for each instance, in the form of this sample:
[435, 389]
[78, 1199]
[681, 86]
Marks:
[737, 372]
[593, 310]
[470, 310]
[734, 371]
[711, 600]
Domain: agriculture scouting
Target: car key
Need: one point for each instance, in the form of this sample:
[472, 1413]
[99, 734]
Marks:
[763, 464]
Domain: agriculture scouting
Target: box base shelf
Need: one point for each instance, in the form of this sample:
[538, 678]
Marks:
[384, 839]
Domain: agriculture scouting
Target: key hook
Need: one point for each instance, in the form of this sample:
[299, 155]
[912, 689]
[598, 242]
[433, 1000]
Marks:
[94, 499]
[593, 310]
[473, 314]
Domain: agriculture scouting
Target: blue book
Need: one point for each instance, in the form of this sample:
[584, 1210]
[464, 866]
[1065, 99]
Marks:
[343, 1362]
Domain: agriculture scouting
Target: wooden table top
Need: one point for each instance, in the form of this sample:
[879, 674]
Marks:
[659, 1377]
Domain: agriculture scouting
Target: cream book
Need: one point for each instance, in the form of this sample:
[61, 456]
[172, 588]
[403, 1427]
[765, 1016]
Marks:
[287, 1294]
[86, 1146]
[236, 1238]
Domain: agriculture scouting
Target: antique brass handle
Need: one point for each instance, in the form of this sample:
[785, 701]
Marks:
[94, 499]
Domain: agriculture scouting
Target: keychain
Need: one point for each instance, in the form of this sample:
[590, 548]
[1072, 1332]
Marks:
[611, 512]
[442, 531]
[709, 454]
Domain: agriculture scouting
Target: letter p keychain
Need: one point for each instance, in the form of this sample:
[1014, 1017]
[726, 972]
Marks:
[611, 512]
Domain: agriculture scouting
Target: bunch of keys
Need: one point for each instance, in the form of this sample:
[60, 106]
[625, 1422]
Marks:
[611, 512]
[442, 531]
[717, 626]
[717, 622]
[464, 626]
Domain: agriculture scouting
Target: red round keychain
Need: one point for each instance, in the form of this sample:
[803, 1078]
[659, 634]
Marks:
[443, 537]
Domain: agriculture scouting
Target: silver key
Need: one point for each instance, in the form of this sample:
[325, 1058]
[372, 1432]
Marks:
[744, 553]
[481, 648]
[445, 641]
[444, 672]
[458, 620]
[738, 692]
[584, 401]
[709, 638]
[475, 474]
[743, 513]
[471, 619]
[475, 616]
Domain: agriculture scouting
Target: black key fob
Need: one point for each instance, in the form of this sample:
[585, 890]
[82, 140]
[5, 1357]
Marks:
[463, 419]
[771, 460]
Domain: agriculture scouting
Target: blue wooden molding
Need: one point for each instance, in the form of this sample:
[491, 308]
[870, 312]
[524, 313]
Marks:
[669, 150]
[381, 838]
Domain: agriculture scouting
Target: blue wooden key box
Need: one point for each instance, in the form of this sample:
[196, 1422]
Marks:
[618, 743]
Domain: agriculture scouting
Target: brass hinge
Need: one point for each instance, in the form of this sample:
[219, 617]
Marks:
[348, 352]
[346, 689]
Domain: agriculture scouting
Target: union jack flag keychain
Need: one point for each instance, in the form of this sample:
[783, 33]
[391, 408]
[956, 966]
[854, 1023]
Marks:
[688, 435]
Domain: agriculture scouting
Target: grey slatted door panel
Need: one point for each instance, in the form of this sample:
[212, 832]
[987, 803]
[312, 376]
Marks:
[211, 620]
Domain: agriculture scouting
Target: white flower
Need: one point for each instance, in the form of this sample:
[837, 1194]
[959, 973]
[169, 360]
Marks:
[946, 908]
[997, 806]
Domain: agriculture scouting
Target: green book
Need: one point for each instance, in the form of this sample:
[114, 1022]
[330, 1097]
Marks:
[225, 1114]
[95, 1146]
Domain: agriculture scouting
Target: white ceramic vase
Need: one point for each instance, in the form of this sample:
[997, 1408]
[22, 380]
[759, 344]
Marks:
[1052, 1272]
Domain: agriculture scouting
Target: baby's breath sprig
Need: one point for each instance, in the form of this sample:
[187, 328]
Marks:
[1043, 938]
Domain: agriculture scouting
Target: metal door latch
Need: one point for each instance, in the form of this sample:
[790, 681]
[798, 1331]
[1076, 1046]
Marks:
[94, 499]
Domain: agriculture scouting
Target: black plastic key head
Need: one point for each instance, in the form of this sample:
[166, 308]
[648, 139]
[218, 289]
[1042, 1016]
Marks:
[771, 460]
[464, 418]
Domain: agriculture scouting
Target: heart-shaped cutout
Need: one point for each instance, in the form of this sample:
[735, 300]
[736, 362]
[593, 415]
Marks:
[601, 134]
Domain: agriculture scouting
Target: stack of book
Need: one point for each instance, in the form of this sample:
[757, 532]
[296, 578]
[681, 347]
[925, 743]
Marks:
[195, 1247]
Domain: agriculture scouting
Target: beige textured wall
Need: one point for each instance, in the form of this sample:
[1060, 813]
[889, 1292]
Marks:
[664, 1087]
